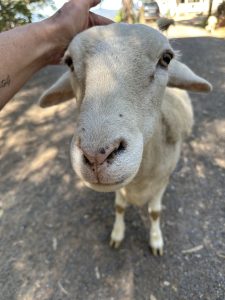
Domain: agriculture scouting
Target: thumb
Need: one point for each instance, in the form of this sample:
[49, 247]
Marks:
[95, 20]
[93, 3]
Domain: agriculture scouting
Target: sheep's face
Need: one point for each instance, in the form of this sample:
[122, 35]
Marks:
[118, 74]
[119, 80]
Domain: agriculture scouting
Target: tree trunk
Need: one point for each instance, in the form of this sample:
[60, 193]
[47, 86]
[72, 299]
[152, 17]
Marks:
[128, 11]
[210, 8]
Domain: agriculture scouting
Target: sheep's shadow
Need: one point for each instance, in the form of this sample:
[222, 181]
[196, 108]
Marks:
[55, 233]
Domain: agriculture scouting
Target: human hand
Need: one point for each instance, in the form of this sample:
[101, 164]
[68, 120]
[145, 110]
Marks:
[71, 19]
[26, 49]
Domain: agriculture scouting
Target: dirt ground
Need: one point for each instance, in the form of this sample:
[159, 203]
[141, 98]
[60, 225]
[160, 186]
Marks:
[54, 233]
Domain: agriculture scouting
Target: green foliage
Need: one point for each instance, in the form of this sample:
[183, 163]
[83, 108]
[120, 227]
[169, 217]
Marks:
[221, 10]
[17, 12]
[119, 17]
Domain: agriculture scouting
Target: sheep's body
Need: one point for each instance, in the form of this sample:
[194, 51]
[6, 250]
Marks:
[161, 153]
[164, 23]
[130, 126]
[160, 156]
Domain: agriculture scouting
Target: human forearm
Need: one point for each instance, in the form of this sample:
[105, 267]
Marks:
[25, 50]
[21, 57]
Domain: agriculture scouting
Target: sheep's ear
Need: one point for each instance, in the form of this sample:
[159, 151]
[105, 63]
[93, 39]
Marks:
[182, 77]
[59, 92]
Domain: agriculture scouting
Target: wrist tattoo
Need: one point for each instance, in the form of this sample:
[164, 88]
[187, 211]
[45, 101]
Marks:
[5, 82]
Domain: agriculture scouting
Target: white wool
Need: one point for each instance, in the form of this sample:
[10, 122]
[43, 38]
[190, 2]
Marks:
[131, 125]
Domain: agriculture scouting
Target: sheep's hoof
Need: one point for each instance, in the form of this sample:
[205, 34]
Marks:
[157, 251]
[114, 244]
[156, 243]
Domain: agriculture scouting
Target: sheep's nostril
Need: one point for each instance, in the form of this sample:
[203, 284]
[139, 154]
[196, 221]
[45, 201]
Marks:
[87, 161]
[120, 148]
[107, 153]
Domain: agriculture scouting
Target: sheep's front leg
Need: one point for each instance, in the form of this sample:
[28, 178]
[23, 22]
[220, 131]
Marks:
[154, 209]
[118, 231]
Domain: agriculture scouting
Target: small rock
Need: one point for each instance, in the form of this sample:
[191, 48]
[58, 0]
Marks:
[180, 210]
[166, 283]
[97, 273]
[174, 288]
[152, 297]
[1, 212]
[172, 187]
[54, 244]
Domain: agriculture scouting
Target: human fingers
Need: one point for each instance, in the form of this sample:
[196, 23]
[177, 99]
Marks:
[95, 20]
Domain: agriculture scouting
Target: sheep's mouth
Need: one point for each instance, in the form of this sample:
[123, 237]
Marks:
[110, 184]
[109, 177]
[106, 187]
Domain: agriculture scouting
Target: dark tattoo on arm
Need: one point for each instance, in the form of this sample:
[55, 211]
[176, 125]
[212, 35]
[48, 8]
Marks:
[5, 82]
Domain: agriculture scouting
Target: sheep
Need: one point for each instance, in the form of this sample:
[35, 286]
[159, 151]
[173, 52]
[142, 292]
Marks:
[211, 24]
[133, 115]
[164, 23]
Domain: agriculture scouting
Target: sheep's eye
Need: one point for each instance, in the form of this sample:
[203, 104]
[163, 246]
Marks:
[165, 59]
[68, 60]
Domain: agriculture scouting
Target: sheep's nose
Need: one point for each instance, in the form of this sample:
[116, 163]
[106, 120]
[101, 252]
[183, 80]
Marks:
[103, 154]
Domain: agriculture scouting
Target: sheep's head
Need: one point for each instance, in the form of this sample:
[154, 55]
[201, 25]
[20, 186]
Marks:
[118, 75]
